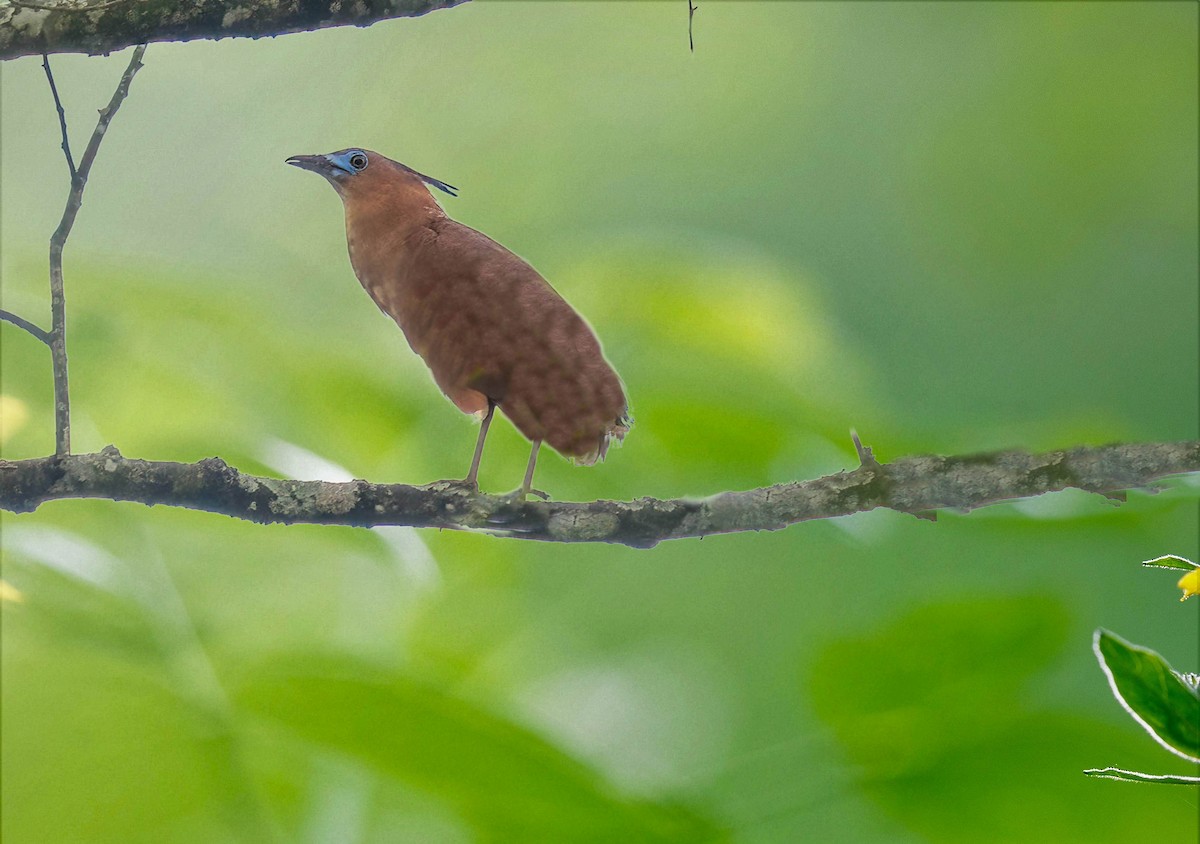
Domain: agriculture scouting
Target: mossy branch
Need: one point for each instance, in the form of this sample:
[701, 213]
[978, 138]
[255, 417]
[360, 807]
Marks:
[918, 485]
[33, 27]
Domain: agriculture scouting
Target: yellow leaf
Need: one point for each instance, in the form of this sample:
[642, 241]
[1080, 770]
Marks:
[8, 592]
[13, 416]
[1190, 584]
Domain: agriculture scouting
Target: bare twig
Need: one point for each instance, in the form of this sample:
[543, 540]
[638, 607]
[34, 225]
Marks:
[691, 13]
[33, 27]
[58, 303]
[21, 322]
[866, 456]
[910, 485]
[62, 117]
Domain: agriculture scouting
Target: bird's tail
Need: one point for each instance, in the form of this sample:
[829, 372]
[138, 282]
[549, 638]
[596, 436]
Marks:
[613, 435]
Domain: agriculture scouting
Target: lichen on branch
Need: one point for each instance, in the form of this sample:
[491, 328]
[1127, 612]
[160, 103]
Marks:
[919, 485]
[33, 27]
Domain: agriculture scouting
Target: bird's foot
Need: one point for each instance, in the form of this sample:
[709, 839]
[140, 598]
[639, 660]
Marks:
[456, 485]
[519, 495]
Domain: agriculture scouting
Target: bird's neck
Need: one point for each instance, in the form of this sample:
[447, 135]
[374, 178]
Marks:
[382, 232]
[385, 213]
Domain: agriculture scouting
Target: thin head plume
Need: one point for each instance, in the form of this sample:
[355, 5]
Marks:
[429, 180]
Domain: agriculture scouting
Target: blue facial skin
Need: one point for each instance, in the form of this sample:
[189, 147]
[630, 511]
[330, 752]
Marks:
[342, 165]
[348, 162]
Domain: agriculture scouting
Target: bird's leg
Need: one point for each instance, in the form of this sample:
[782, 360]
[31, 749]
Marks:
[470, 480]
[527, 484]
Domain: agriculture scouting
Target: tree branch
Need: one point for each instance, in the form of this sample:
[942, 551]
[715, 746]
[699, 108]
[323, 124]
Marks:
[22, 323]
[916, 485]
[28, 28]
[58, 241]
[691, 14]
[62, 117]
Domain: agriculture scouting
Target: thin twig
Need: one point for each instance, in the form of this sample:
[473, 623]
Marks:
[691, 13]
[106, 113]
[21, 322]
[58, 303]
[866, 456]
[62, 116]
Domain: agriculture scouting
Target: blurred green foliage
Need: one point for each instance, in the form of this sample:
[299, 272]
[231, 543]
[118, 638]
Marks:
[953, 227]
[1164, 702]
[905, 701]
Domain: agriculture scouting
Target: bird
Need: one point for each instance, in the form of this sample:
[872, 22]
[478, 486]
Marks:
[492, 331]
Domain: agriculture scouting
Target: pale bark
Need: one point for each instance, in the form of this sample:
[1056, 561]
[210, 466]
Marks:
[916, 485]
[33, 27]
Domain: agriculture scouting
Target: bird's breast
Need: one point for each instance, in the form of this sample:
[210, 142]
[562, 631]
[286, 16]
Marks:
[385, 272]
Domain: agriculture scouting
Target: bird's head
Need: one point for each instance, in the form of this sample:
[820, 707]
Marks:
[360, 171]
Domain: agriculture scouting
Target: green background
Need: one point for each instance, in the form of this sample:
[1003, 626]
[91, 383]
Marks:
[954, 227]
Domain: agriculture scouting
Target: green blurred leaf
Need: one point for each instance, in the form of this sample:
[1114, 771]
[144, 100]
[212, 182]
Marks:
[1156, 697]
[931, 708]
[77, 591]
[508, 782]
[1138, 776]
[115, 747]
[902, 696]
[1170, 561]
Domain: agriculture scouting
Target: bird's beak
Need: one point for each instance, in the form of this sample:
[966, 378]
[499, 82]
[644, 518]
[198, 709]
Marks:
[315, 163]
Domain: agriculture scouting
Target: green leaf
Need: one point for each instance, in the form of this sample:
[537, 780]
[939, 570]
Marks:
[1170, 561]
[1156, 697]
[503, 779]
[1138, 776]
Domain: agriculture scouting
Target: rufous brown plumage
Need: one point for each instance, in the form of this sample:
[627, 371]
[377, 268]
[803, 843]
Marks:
[493, 332]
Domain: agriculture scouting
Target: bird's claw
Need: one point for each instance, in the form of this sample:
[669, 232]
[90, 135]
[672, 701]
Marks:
[456, 485]
[519, 495]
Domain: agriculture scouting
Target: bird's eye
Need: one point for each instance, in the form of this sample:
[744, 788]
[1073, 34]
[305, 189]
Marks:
[358, 161]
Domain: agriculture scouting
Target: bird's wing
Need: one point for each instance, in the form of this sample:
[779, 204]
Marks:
[486, 320]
